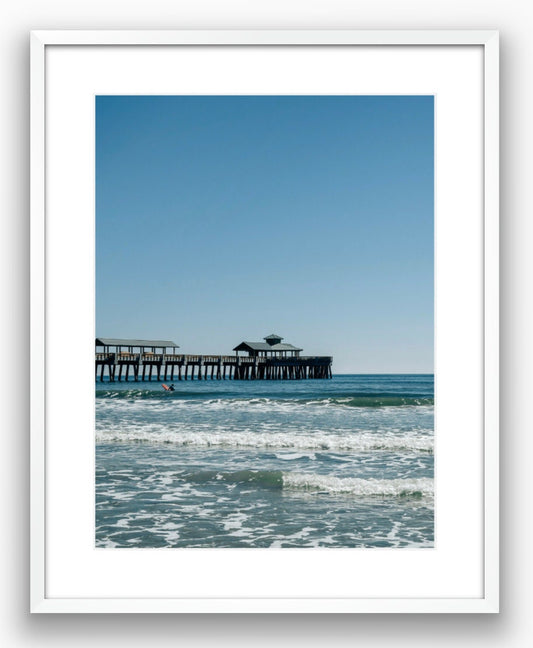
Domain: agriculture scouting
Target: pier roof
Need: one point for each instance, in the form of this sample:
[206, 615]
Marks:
[264, 346]
[135, 343]
[255, 346]
[284, 347]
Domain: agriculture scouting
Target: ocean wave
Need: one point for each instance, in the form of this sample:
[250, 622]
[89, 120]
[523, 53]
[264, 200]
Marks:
[315, 483]
[359, 442]
[422, 487]
[182, 399]
[379, 400]
[153, 394]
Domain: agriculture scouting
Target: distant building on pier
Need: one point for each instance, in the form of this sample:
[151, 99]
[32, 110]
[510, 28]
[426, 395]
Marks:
[271, 348]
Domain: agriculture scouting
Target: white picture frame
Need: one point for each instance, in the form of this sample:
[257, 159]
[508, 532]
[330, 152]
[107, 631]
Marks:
[56, 53]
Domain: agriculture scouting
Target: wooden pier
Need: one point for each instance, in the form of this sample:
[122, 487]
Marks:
[197, 367]
[283, 362]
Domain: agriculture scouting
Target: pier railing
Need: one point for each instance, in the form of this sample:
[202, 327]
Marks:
[217, 367]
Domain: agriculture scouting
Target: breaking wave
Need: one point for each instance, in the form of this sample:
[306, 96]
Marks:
[179, 398]
[313, 483]
[360, 441]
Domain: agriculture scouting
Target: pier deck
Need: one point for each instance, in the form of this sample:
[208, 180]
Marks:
[188, 367]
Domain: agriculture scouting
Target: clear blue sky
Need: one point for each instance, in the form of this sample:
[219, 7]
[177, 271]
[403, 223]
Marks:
[222, 219]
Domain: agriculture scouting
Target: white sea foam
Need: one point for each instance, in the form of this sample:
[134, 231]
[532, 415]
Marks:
[312, 440]
[234, 521]
[216, 404]
[376, 487]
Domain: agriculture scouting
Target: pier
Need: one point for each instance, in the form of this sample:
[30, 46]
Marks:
[147, 359]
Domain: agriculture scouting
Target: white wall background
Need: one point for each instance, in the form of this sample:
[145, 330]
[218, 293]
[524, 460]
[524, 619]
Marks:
[514, 625]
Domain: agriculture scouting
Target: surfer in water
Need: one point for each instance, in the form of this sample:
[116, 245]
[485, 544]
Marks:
[168, 387]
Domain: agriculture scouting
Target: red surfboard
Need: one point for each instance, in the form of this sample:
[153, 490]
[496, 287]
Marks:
[166, 387]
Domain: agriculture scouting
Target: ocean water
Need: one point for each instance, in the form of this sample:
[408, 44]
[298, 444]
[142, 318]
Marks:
[346, 462]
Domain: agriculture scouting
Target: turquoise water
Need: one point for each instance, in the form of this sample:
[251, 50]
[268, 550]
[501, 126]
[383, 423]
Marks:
[346, 462]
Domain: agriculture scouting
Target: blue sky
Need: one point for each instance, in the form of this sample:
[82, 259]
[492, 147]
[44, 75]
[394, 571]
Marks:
[222, 219]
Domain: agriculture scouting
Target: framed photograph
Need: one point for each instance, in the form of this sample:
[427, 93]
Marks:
[264, 293]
